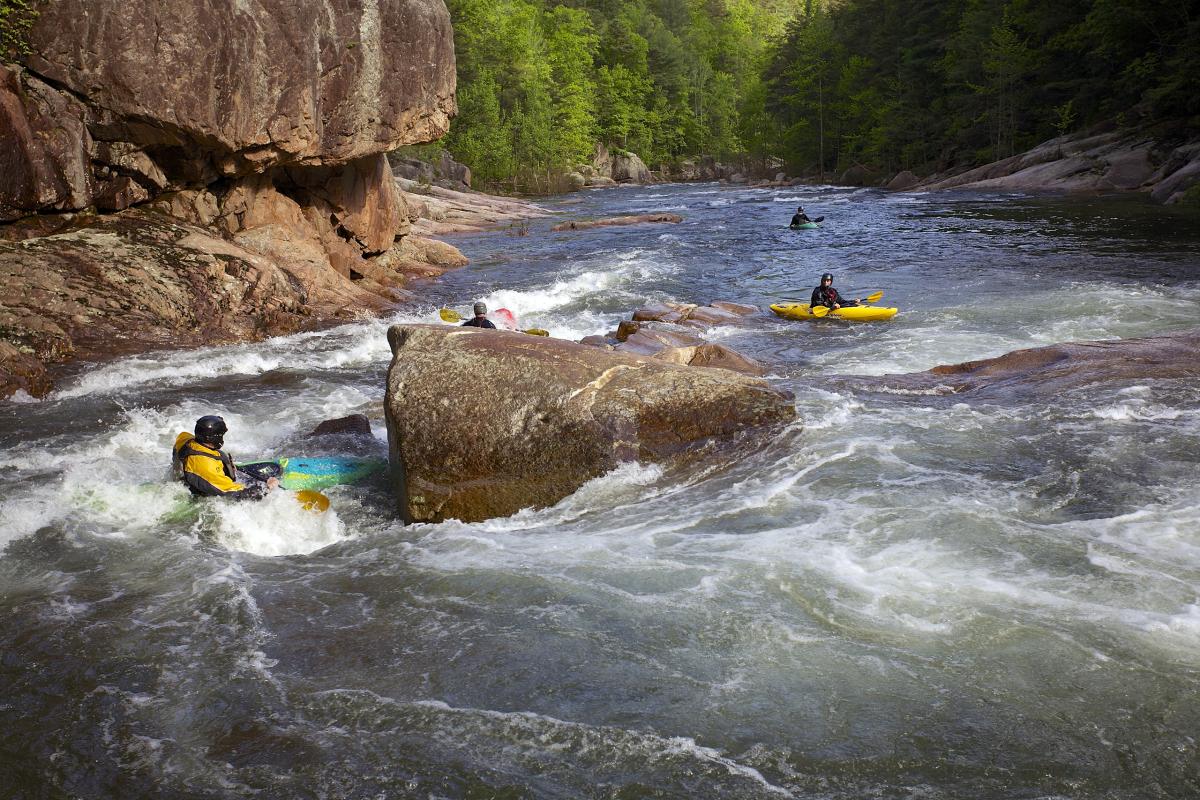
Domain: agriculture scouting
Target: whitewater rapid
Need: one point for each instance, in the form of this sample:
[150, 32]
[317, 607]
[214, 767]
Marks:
[903, 594]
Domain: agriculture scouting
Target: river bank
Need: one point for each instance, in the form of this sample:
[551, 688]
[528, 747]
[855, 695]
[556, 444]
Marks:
[101, 286]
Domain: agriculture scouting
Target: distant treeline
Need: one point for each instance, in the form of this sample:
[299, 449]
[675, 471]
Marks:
[896, 84]
[890, 84]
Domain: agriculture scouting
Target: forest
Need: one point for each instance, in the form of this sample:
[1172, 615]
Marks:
[925, 85]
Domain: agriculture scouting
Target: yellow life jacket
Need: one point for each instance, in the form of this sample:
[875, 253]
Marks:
[205, 471]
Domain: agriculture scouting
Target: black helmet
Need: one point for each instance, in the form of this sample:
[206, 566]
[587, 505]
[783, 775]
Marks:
[828, 276]
[211, 430]
[799, 208]
[480, 309]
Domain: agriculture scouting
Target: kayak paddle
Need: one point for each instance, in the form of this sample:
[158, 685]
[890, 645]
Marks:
[450, 315]
[819, 311]
[313, 500]
[874, 297]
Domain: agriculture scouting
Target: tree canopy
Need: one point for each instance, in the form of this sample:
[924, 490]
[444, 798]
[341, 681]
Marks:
[541, 82]
[919, 84]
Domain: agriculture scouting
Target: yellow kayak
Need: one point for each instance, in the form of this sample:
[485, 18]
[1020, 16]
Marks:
[859, 313]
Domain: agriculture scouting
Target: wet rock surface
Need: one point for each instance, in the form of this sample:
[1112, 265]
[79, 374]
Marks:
[550, 416]
[673, 332]
[633, 219]
[1042, 373]
[1117, 161]
[124, 283]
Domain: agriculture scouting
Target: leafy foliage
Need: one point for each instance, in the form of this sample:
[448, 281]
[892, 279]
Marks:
[541, 81]
[826, 84]
[16, 17]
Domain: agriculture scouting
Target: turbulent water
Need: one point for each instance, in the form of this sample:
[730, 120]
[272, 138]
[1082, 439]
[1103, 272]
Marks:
[903, 595]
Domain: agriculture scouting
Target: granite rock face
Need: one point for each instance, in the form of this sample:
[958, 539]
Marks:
[264, 123]
[229, 87]
[550, 416]
[1118, 161]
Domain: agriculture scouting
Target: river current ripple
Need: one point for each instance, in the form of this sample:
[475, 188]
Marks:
[903, 596]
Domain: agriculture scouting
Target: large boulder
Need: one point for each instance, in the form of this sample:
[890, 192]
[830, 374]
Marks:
[618, 166]
[903, 181]
[629, 168]
[538, 417]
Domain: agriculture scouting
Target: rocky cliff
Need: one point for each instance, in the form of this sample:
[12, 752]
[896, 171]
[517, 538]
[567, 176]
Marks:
[256, 127]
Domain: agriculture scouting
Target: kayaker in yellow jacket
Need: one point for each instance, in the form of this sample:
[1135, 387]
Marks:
[198, 462]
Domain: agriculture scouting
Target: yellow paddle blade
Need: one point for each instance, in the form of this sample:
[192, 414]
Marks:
[450, 315]
[536, 332]
[312, 500]
[874, 297]
[819, 311]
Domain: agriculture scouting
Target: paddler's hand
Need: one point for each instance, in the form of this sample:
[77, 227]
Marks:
[272, 483]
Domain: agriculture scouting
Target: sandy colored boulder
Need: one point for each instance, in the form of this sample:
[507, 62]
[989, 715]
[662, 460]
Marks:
[543, 416]
[661, 312]
[647, 341]
[127, 282]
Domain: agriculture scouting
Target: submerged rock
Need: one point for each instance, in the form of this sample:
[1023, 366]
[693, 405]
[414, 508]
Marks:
[636, 219]
[352, 425]
[1045, 372]
[484, 423]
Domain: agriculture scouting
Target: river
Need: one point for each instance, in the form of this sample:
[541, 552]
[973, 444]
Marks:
[901, 596]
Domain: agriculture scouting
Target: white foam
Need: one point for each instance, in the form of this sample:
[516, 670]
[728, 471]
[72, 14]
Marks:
[20, 396]
[276, 525]
[361, 343]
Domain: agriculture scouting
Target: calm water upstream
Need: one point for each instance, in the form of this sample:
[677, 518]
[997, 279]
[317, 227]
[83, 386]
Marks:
[906, 596]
